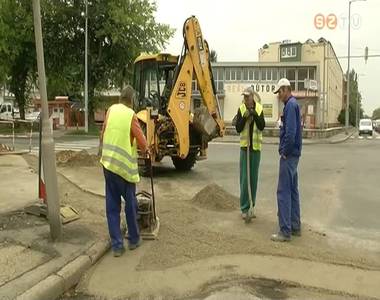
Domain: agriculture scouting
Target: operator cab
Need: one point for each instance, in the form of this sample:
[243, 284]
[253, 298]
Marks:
[153, 81]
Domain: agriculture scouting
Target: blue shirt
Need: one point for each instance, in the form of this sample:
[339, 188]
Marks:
[291, 130]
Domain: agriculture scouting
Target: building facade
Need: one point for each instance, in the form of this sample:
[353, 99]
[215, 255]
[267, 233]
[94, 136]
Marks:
[312, 69]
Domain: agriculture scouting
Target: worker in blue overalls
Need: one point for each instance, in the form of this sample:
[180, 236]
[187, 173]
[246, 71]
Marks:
[288, 200]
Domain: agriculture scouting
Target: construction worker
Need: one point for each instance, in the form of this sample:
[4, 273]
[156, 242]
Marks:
[120, 134]
[250, 123]
[290, 151]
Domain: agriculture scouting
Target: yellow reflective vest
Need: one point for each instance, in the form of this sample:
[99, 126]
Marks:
[119, 155]
[257, 136]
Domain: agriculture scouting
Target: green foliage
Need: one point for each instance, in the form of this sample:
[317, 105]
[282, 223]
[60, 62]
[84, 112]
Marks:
[376, 114]
[118, 30]
[355, 101]
[17, 51]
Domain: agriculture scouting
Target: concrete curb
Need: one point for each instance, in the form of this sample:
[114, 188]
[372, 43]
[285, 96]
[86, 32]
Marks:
[79, 187]
[57, 283]
[15, 152]
[343, 139]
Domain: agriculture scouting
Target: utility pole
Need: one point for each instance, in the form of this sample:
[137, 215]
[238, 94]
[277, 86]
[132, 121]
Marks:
[324, 85]
[348, 63]
[86, 71]
[47, 143]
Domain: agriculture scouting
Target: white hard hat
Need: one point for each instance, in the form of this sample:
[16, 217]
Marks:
[282, 82]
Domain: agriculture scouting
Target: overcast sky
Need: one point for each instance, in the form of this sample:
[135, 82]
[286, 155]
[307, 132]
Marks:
[236, 29]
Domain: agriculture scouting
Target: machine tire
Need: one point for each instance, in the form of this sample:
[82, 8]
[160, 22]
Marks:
[185, 164]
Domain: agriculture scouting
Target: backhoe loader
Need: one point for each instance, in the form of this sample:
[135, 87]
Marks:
[164, 105]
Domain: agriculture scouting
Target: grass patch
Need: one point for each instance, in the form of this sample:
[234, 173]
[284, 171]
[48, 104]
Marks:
[19, 128]
[93, 129]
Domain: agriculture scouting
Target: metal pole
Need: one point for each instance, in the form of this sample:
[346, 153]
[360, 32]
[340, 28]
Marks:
[47, 135]
[324, 86]
[86, 71]
[348, 67]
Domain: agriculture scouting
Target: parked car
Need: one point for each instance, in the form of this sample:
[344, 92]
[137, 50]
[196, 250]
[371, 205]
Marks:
[365, 126]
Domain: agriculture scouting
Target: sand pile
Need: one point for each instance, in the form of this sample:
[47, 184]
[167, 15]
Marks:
[214, 197]
[76, 159]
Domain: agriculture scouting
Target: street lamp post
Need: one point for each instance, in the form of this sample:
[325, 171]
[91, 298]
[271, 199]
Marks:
[348, 63]
[47, 143]
[86, 70]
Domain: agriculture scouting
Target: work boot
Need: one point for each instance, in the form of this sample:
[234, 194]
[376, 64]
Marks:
[134, 246]
[296, 232]
[279, 237]
[243, 215]
[118, 252]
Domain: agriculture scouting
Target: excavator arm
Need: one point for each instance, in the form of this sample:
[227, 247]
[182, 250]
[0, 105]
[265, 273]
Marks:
[194, 62]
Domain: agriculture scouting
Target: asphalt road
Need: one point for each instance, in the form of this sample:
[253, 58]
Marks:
[339, 184]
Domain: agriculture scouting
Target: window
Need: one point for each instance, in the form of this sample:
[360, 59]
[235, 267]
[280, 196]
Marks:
[228, 74]
[233, 74]
[256, 75]
[311, 73]
[220, 74]
[282, 73]
[302, 74]
[291, 74]
[245, 74]
[263, 74]
[274, 74]
[289, 52]
[220, 86]
[251, 74]
[3, 109]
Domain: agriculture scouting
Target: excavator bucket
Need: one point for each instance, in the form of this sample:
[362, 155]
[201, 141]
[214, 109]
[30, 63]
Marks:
[205, 123]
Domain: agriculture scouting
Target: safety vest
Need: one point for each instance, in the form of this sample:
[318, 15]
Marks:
[118, 155]
[257, 136]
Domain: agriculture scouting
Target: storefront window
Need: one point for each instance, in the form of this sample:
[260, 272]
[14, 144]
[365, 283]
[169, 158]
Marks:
[238, 74]
[228, 74]
[220, 74]
[245, 74]
[312, 73]
[256, 75]
[291, 74]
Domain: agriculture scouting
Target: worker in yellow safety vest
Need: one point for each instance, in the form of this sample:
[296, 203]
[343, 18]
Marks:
[120, 136]
[249, 124]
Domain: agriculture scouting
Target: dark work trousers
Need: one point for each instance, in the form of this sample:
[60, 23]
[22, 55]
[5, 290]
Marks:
[288, 200]
[117, 187]
[254, 159]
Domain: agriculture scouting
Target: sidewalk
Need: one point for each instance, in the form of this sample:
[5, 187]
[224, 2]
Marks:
[32, 266]
[18, 184]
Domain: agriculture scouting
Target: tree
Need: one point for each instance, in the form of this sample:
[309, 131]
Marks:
[376, 114]
[118, 31]
[355, 102]
[17, 51]
[213, 56]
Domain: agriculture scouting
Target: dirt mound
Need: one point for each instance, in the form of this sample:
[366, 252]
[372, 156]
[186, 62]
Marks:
[76, 159]
[213, 197]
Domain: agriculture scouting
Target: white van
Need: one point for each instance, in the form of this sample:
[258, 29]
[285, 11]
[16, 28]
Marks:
[365, 126]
